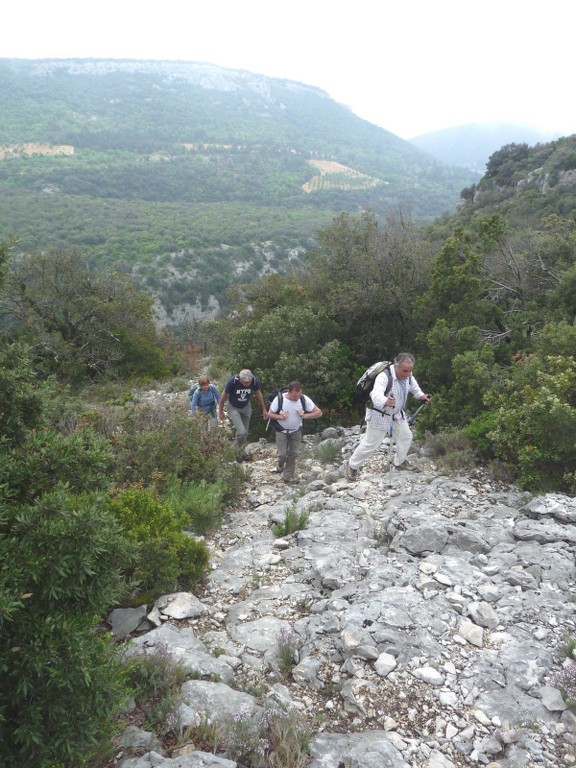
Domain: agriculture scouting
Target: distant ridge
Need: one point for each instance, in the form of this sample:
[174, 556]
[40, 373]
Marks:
[470, 146]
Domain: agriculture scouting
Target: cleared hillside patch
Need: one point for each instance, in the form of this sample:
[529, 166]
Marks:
[334, 175]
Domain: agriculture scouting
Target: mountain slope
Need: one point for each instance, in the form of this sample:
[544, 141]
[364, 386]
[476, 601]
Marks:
[191, 175]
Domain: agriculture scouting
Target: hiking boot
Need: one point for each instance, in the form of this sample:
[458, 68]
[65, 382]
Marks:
[408, 467]
[351, 474]
[277, 470]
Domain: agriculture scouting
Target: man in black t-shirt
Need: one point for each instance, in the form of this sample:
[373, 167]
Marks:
[238, 391]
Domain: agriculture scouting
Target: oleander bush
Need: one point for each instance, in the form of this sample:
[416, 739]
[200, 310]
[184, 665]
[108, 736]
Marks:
[63, 562]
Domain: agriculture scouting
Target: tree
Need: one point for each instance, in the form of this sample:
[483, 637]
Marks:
[523, 271]
[535, 431]
[80, 322]
[503, 163]
[366, 277]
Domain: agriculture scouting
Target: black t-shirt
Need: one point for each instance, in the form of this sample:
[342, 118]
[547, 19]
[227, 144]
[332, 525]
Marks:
[238, 393]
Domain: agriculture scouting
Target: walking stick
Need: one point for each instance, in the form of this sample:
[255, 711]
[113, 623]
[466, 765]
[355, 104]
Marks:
[390, 456]
[412, 418]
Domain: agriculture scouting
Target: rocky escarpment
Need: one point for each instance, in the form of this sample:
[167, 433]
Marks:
[428, 614]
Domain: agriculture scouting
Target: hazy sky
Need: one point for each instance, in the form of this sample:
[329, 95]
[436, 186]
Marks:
[411, 66]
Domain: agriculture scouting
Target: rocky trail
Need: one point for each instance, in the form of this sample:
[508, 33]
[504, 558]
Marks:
[426, 616]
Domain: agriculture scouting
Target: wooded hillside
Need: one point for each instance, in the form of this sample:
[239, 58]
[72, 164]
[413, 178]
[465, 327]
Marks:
[193, 176]
[105, 497]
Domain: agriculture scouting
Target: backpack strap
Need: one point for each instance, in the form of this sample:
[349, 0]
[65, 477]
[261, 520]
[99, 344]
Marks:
[280, 397]
[387, 390]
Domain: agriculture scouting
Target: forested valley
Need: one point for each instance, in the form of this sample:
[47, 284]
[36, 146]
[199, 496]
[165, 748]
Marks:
[98, 483]
[192, 177]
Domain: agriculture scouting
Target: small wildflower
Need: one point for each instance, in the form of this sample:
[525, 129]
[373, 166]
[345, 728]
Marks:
[565, 681]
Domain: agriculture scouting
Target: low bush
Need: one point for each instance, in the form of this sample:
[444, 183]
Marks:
[451, 449]
[46, 458]
[61, 695]
[478, 430]
[156, 442]
[168, 560]
[289, 644]
[293, 521]
[21, 405]
[328, 452]
[200, 504]
[275, 737]
[535, 431]
[63, 563]
[154, 680]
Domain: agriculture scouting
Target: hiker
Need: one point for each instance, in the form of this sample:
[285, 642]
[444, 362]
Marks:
[204, 400]
[238, 391]
[385, 413]
[287, 410]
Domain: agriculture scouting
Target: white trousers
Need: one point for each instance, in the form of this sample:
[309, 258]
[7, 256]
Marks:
[372, 439]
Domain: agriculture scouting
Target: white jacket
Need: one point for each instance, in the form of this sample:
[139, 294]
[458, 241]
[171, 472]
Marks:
[401, 388]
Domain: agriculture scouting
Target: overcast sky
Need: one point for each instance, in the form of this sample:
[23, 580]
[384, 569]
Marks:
[410, 66]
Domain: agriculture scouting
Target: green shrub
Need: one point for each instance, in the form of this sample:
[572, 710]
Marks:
[293, 521]
[63, 560]
[169, 560]
[46, 458]
[155, 442]
[478, 430]
[143, 515]
[63, 409]
[535, 431]
[60, 695]
[67, 551]
[21, 405]
[62, 563]
[200, 504]
[169, 563]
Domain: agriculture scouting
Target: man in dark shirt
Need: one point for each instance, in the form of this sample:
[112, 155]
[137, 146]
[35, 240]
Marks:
[238, 391]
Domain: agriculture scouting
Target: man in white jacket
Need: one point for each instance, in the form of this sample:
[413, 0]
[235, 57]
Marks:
[385, 416]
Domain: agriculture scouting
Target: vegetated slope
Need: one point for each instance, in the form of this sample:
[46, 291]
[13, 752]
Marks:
[192, 175]
[525, 185]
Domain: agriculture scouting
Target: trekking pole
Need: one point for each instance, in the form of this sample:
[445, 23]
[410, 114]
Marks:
[412, 417]
[390, 455]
